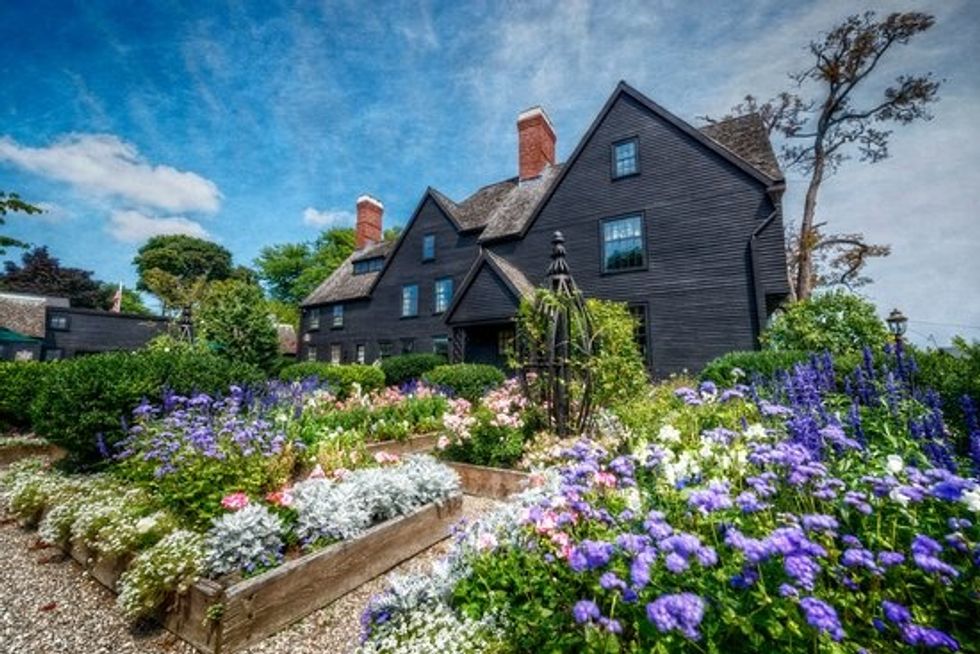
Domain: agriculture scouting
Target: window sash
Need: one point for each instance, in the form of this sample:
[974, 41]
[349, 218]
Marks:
[624, 158]
[336, 353]
[443, 294]
[428, 247]
[360, 353]
[338, 315]
[410, 300]
[440, 345]
[622, 243]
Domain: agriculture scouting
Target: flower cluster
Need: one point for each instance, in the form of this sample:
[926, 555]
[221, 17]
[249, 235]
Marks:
[170, 566]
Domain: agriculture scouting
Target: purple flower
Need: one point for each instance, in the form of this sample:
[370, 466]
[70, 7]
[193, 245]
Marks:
[924, 551]
[803, 569]
[609, 581]
[748, 502]
[640, 568]
[819, 522]
[682, 612]
[914, 635]
[589, 555]
[822, 617]
[895, 612]
[585, 611]
[708, 500]
[887, 559]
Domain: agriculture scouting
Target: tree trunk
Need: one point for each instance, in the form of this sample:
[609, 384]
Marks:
[804, 268]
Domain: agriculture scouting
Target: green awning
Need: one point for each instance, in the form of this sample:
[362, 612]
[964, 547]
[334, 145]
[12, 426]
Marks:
[10, 336]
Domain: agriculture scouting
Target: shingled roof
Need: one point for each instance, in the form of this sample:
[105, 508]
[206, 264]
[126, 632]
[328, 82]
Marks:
[343, 284]
[746, 136]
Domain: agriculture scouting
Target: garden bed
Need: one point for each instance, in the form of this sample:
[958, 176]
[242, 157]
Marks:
[413, 445]
[484, 481]
[14, 449]
[249, 610]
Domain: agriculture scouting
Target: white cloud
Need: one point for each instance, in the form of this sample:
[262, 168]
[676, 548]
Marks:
[103, 165]
[327, 218]
[134, 227]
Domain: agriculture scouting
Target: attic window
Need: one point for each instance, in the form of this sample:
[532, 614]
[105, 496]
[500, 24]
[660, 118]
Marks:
[625, 158]
[368, 265]
[429, 247]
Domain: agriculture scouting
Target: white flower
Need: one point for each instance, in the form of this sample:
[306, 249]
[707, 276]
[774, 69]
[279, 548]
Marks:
[669, 434]
[144, 525]
[755, 431]
[972, 499]
[894, 464]
[897, 496]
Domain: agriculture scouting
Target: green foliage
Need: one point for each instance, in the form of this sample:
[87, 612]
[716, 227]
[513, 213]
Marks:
[406, 367]
[339, 377]
[617, 365]
[837, 321]
[743, 367]
[43, 274]
[952, 375]
[467, 380]
[88, 396]
[290, 271]
[170, 265]
[19, 381]
[131, 300]
[234, 319]
[11, 203]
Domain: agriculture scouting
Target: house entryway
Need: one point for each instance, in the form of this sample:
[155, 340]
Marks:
[486, 343]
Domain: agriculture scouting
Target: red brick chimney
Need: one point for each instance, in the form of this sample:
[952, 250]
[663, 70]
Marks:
[535, 142]
[369, 213]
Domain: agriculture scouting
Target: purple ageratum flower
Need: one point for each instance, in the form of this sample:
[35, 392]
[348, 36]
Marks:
[895, 612]
[950, 489]
[748, 502]
[744, 579]
[822, 617]
[786, 590]
[640, 568]
[585, 611]
[887, 559]
[711, 499]
[682, 612]
[855, 557]
[609, 581]
[676, 563]
[731, 394]
[802, 569]
[611, 625]
[820, 522]
[633, 543]
[689, 395]
[719, 435]
[859, 501]
[918, 635]
[623, 466]
[924, 553]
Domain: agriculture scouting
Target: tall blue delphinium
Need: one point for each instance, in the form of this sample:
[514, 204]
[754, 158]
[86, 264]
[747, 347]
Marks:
[972, 430]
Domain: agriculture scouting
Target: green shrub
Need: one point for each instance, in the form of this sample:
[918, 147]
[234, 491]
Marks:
[233, 318]
[952, 375]
[467, 380]
[19, 381]
[618, 372]
[837, 321]
[340, 377]
[406, 367]
[725, 369]
[88, 396]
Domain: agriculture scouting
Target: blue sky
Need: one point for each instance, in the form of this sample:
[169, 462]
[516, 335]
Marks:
[260, 122]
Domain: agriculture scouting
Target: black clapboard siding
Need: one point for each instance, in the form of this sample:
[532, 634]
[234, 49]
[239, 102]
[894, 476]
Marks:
[92, 331]
[488, 298]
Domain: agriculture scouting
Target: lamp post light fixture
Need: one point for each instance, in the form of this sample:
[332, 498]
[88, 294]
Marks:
[897, 322]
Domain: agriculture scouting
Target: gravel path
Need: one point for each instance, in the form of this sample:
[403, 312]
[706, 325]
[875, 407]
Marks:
[49, 606]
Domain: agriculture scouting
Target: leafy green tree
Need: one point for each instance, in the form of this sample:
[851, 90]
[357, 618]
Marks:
[172, 265]
[233, 317]
[42, 274]
[291, 271]
[837, 321]
[11, 203]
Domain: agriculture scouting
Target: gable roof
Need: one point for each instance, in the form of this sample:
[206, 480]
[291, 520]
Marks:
[343, 284]
[515, 280]
[507, 208]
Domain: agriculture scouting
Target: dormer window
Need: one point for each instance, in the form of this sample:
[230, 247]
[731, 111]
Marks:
[625, 158]
[429, 247]
[368, 265]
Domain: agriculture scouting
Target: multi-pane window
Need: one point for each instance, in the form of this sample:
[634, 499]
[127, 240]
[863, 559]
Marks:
[443, 294]
[639, 313]
[408, 345]
[440, 345]
[338, 316]
[368, 265]
[625, 158]
[313, 321]
[622, 243]
[311, 353]
[410, 300]
[360, 356]
[59, 322]
[336, 353]
[384, 349]
[429, 247]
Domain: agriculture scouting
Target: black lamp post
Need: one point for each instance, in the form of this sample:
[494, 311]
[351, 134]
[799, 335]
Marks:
[897, 322]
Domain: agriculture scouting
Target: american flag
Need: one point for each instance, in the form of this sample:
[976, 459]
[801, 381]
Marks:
[117, 300]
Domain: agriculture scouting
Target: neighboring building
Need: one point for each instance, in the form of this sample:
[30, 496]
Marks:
[61, 331]
[682, 224]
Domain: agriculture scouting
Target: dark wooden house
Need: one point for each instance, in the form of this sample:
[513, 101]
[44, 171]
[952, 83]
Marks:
[60, 331]
[682, 224]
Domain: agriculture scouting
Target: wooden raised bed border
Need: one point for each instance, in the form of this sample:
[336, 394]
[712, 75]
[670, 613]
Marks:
[252, 609]
[10, 452]
[413, 445]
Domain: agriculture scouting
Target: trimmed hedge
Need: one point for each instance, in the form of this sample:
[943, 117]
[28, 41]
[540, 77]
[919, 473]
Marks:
[467, 380]
[764, 363]
[406, 367]
[341, 378]
[86, 397]
[19, 384]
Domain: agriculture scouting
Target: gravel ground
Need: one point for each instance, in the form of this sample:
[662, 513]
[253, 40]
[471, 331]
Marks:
[49, 606]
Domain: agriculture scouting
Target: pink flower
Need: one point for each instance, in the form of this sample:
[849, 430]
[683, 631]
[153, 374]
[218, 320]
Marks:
[486, 541]
[317, 473]
[235, 501]
[547, 522]
[443, 443]
[606, 479]
[283, 498]
[537, 479]
[384, 457]
[561, 539]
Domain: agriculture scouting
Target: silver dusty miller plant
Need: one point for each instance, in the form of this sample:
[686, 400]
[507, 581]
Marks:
[338, 511]
[244, 541]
